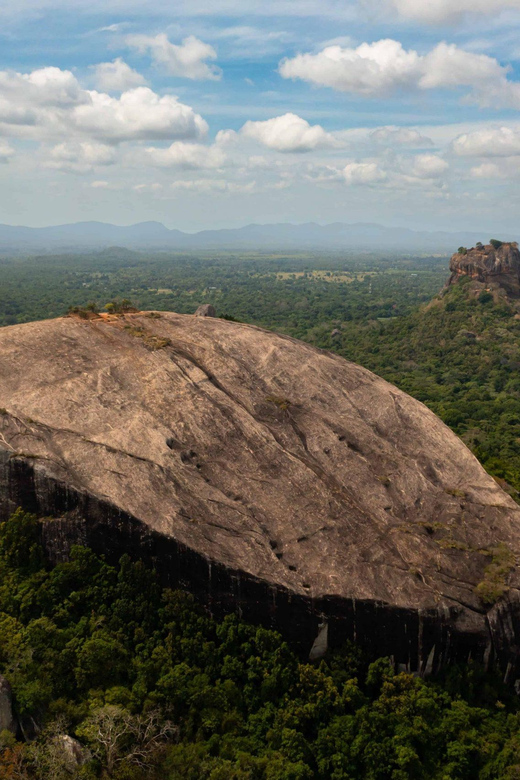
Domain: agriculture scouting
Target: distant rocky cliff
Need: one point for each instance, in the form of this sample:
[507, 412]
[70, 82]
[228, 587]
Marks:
[265, 476]
[490, 265]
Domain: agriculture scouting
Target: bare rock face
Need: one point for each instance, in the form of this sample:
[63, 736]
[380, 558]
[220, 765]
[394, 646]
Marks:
[497, 267]
[265, 476]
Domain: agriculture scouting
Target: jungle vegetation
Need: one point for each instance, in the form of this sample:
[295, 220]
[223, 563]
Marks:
[149, 686]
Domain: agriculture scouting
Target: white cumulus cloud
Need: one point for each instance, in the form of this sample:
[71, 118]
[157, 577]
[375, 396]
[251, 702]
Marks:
[370, 69]
[42, 87]
[80, 157]
[288, 133]
[448, 66]
[363, 173]
[187, 155]
[487, 171]
[378, 68]
[138, 114]
[491, 142]
[187, 60]
[51, 103]
[117, 76]
[428, 166]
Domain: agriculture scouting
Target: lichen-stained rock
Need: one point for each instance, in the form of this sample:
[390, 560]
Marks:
[489, 265]
[264, 475]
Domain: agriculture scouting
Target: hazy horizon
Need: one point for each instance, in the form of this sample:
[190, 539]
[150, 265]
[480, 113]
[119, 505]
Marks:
[262, 223]
[259, 223]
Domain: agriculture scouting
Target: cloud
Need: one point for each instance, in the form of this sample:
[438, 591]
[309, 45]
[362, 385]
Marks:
[400, 136]
[363, 173]
[187, 155]
[6, 151]
[186, 61]
[42, 87]
[117, 76]
[379, 68]
[242, 40]
[213, 185]
[493, 142]
[288, 133]
[438, 11]
[80, 157]
[389, 172]
[428, 166]
[155, 187]
[370, 69]
[51, 103]
[113, 27]
[138, 114]
[448, 66]
[487, 171]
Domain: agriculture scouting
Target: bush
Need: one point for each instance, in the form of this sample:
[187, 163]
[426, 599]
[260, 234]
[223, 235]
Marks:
[120, 307]
[495, 243]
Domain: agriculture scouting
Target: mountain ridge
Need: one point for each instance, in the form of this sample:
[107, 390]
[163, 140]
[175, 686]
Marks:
[336, 236]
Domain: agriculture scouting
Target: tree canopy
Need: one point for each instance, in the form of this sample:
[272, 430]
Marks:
[150, 686]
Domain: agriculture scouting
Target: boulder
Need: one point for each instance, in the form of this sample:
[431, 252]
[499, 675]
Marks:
[268, 478]
[74, 752]
[206, 310]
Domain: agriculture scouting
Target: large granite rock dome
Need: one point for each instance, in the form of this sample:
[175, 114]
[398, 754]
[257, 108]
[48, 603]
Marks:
[265, 476]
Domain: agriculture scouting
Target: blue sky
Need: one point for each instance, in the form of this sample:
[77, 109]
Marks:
[216, 114]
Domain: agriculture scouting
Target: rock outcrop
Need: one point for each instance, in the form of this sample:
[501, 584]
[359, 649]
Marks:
[489, 265]
[265, 476]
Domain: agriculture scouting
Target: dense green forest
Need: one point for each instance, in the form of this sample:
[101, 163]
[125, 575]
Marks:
[150, 686]
[290, 294]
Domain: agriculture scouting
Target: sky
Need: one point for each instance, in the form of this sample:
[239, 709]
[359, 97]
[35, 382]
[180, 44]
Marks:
[226, 112]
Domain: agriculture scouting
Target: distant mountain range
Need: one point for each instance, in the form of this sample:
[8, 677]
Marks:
[91, 236]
